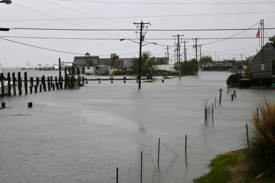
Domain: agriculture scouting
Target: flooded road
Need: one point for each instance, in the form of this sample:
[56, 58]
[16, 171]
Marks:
[83, 135]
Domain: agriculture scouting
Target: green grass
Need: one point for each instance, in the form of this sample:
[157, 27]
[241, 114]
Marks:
[219, 169]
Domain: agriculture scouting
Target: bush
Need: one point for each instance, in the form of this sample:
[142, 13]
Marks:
[123, 72]
[233, 78]
[262, 146]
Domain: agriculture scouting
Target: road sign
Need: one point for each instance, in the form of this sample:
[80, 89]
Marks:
[220, 90]
[205, 102]
[273, 84]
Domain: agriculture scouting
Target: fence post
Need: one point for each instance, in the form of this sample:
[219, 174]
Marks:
[141, 160]
[220, 98]
[185, 144]
[247, 136]
[158, 152]
[212, 114]
[117, 175]
[205, 113]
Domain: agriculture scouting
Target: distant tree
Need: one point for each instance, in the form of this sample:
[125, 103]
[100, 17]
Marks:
[272, 41]
[188, 67]
[148, 64]
[206, 59]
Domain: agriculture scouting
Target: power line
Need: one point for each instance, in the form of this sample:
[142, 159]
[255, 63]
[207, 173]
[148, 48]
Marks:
[48, 49]
[163, 30]
[41, 47]
[117, 39]
[153, 16]
[232, 35]
[56, 17]
[159, 3]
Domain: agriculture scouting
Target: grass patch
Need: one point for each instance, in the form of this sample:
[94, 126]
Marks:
[220, 168]
[232, 167]
[167, 77]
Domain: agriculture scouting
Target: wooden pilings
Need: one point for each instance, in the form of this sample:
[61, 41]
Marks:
[33, 85]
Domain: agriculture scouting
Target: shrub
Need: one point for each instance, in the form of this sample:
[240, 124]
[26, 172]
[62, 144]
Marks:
[262, 146]
[122, 72]
[233, 78]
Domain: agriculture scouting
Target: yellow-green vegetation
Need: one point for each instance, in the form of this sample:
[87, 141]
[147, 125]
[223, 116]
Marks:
[167, 77]
[262, 145]
[149, 81]
[253, 165]
[224, 167]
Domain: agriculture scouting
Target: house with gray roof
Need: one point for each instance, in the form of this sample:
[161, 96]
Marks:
[86, 60]
[264, 61]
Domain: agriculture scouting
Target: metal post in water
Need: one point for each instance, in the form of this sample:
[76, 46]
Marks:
[232, 97]
[158, 152]
[141, 160]
[247, 136]
[212, 114]
[257, 112]
[185, 144]
[117, 175]
[220, 98]
[205, 113]
[234, 93]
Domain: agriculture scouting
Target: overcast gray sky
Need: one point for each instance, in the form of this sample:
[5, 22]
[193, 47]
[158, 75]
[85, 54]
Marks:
[19, 46]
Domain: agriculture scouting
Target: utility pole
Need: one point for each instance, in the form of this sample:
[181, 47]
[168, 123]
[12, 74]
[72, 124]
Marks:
[141, 38]
[178, 52]
[185, 57]
[200, 56]
[168, 53]
[196, 46]
[262, 50]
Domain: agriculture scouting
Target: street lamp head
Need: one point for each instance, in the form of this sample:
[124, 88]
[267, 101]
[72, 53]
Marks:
[4, 29]
[6, 1]
[122, 39]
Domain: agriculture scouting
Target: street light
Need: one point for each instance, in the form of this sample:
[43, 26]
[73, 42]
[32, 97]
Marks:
[6, 1]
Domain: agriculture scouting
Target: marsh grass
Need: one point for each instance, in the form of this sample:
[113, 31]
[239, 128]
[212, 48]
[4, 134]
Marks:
[220, 171]
[261, 154]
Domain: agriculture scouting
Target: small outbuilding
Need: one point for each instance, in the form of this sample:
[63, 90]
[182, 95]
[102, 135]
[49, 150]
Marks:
[101, 69]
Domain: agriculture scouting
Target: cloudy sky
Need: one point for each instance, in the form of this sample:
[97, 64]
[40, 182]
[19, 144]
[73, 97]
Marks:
[42, 31]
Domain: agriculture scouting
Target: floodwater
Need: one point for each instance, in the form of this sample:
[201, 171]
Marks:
[83, 135]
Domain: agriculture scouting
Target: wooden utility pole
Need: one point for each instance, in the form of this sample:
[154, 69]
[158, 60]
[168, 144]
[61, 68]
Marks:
[168, 53]
[196, 47]
[200, 56]
[185, 54]
[178, 52]
[141, 24]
